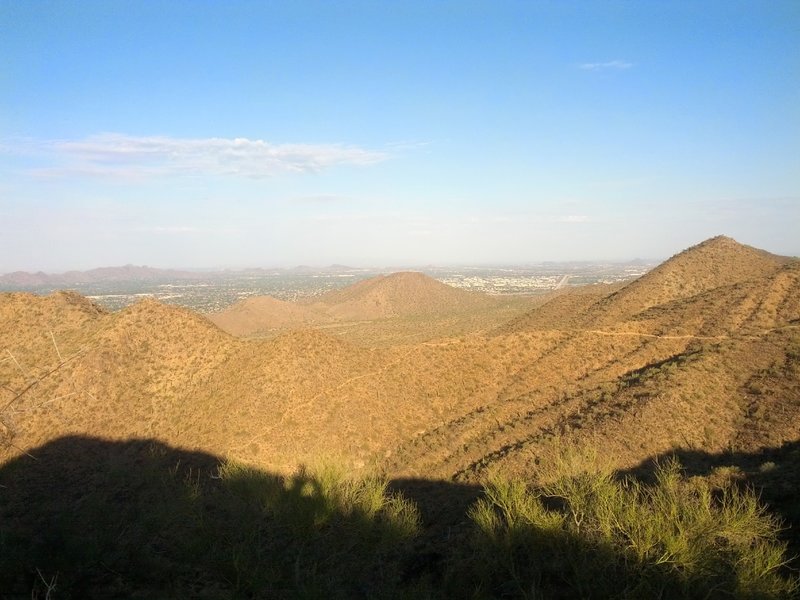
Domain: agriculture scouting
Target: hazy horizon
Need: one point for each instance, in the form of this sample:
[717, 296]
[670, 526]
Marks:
[198, 134]
[361, 267]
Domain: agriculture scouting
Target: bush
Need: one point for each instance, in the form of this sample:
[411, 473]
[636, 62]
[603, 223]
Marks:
[317, 533]
[589, 535]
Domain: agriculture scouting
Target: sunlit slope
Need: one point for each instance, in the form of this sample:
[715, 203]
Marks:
[398, 294]
[635, 370]
[715, 287]
[562, 309]
[714, 263]
[386, 310]
[702, 355]
[262, 314]
[134, 372]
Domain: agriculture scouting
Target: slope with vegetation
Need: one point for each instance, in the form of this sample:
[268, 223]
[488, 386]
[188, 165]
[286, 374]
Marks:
[443, 392]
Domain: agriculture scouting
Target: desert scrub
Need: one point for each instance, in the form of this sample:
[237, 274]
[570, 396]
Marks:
[320, 532]
[142, 519]
[590, 535]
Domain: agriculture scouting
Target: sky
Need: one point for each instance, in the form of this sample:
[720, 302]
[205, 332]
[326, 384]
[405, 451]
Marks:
[240, 134]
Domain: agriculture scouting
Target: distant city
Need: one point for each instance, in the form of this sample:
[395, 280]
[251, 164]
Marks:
[211, 292]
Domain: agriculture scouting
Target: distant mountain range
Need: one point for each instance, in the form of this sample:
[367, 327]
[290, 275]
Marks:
[128, 273]
[124, 273]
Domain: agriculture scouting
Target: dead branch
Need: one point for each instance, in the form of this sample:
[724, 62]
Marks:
[53, 337]
[16, 362]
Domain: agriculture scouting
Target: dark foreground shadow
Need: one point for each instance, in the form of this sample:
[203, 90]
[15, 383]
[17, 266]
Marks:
[88, 518]
[99, 519]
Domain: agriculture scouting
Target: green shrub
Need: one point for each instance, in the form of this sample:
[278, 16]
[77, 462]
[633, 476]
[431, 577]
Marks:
[317, 533]
[589, 535]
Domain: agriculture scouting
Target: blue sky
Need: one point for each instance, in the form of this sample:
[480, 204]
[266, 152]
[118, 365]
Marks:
[210, 134]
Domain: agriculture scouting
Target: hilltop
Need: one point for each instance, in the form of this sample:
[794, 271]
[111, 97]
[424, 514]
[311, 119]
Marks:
[719, 272]
[716, 262]
[396, 295]
[394, 300]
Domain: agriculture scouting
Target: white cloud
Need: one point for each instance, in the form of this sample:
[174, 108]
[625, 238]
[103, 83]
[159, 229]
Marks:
[611, 64]
[125, 156]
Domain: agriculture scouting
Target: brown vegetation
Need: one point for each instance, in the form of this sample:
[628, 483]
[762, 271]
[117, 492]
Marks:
[417, 379]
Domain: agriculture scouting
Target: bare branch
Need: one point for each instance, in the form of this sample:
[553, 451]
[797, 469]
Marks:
[60, 358]
[16, 362]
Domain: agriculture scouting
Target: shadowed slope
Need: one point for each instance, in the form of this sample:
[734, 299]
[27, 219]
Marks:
[772, 470]
[100, 519]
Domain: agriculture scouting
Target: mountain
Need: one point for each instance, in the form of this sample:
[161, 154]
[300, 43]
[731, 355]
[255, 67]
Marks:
[397, 295]
[419, 380]
[403, 363]
[261, 314]
[21, 279]
[714, 263]
[698, 290]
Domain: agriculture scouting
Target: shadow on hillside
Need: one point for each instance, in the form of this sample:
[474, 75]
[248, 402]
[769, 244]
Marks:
[116, 519]
[138, 519]
[774, 473]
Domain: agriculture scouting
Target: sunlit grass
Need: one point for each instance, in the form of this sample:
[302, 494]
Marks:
[591, 535]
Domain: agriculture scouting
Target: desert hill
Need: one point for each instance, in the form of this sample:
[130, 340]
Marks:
[712, 287]
[395, 299]
[702, 354]
[398, 294]
[716, 262]
[260, 314]
[435, 404]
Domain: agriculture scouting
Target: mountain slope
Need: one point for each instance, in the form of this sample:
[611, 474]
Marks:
[678, 359]
[396, 295]
[716, 262]
[258, 315]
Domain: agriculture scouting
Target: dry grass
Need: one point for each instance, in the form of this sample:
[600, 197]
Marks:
[709, 367]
